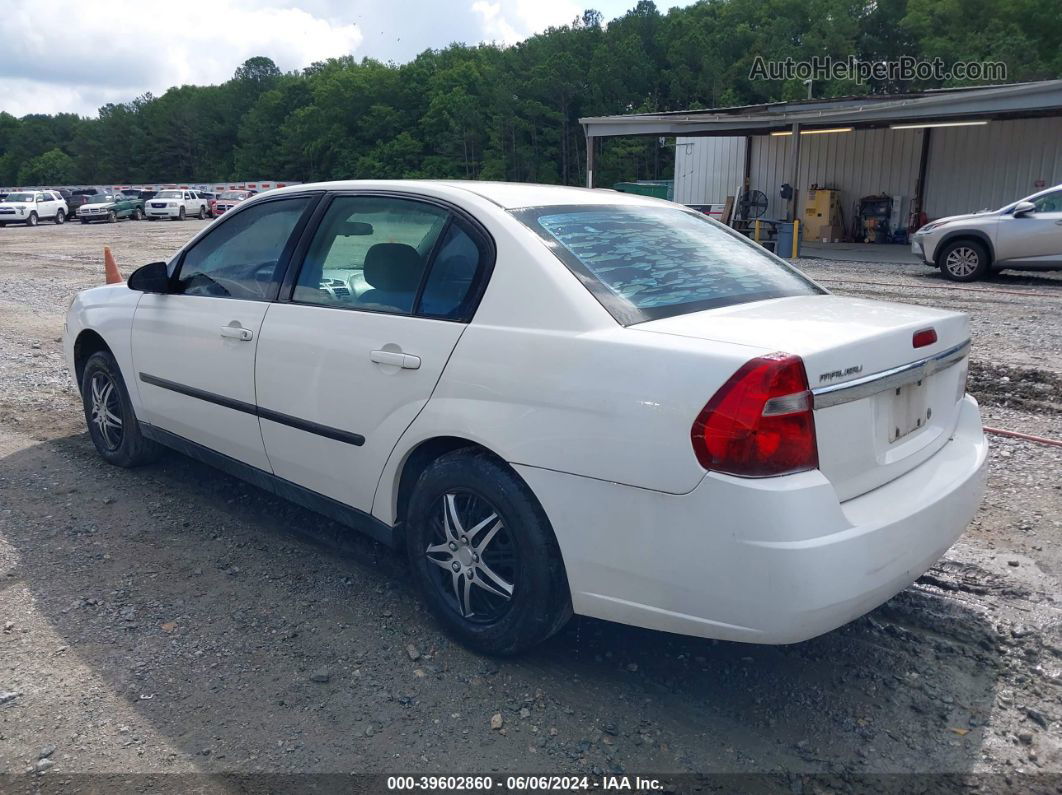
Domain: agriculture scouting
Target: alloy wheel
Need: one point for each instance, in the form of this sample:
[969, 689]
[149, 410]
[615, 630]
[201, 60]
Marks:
[474, 557]
[106, 411]
[962, 261]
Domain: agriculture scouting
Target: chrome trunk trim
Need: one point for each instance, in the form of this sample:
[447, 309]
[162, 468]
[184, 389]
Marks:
[836, 394]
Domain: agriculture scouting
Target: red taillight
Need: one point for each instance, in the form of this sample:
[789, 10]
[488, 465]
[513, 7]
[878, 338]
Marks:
[760, 422]
[926, 336]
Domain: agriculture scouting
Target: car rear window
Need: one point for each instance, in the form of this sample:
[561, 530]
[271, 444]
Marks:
[645, 262]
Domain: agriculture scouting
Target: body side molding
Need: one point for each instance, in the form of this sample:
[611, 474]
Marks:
[337, 434]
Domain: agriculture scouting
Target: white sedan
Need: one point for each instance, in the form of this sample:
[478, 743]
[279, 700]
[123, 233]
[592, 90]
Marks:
[555, 400]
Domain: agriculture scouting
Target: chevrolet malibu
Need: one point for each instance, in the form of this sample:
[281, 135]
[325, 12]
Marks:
[555, 400]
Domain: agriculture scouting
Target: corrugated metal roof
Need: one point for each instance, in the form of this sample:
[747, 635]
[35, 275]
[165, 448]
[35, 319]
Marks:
[1012, 100]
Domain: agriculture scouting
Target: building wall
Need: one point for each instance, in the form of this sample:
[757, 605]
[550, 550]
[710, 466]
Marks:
[969, 168]
[859, 163]
[973, 168]
[707, 170]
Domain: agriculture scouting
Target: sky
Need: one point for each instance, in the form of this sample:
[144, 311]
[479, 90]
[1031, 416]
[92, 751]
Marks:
[76, 56]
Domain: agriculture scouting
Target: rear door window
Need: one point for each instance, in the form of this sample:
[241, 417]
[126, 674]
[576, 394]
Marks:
[370, 253]
[644, 262]
[459, 265]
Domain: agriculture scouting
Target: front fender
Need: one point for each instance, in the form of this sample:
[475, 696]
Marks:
[107, 311]
[975, 234]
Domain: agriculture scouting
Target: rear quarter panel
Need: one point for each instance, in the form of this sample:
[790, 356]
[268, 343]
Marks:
[617, 406]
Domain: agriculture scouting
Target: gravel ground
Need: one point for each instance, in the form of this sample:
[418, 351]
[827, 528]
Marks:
[173, 620]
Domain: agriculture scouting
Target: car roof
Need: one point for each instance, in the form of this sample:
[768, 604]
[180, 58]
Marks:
[507, 195]
[1042, 192]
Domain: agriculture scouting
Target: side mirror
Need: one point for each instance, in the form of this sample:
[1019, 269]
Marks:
[150, 278]
[1021, 209]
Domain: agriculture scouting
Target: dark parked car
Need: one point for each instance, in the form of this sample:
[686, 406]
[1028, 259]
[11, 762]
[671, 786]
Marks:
[65, 193]
[211, 200]
[80, 196]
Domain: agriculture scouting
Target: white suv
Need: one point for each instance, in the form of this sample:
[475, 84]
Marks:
[32, 206]
[177, 204]
[1024, 235]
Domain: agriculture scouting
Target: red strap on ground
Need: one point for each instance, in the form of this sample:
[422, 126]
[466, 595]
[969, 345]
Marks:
[1025, 436]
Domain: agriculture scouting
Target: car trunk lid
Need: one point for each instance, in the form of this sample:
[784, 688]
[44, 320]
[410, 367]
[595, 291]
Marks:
[882, 406]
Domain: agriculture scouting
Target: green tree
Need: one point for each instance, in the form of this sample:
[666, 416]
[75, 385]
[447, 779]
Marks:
[513, 113]
[54, 167]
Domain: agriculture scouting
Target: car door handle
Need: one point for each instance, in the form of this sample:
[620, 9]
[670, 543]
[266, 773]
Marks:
[237, 333]
[404, 360]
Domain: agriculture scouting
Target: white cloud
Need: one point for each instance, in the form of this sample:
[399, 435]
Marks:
[19, 96]
[511, 21]
[75, 56]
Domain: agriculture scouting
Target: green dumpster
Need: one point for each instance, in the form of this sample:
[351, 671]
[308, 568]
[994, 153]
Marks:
[657, 188]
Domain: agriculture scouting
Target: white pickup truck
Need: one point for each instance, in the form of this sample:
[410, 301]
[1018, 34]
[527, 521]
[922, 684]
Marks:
[178, 204]
[32, 206]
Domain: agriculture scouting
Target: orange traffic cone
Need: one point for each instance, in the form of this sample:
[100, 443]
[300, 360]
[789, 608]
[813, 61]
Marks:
[110, 267]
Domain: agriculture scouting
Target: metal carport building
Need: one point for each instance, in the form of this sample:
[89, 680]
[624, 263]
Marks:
[946, 151]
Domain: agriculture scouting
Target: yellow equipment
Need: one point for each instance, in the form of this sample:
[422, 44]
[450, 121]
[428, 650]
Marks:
[822, 210]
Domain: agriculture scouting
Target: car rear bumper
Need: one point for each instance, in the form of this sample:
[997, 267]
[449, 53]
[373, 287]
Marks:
[777, 560]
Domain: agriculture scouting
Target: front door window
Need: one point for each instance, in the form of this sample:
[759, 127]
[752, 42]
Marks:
[241, 258]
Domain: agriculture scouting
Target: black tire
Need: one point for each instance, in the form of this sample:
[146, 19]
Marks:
[60, 217]
[32, 220]
[84, 221]
[520, 556]
[180, 214]
[202, 213]
[963, 260]
[123, 446]
[112, 217]
[136, 215]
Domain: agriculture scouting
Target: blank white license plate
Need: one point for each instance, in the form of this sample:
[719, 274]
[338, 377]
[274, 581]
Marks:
[909, 410]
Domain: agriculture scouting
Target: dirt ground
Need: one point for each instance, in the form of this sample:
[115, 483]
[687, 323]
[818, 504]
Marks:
[171, 619]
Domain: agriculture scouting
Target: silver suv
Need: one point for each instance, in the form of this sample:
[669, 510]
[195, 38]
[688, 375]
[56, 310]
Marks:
[1024, 235]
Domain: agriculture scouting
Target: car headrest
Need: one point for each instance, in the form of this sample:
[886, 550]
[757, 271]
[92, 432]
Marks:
[393, 266]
